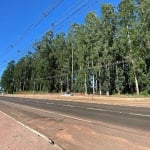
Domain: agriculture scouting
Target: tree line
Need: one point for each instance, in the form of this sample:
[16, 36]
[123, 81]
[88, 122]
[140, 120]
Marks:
[107, 54]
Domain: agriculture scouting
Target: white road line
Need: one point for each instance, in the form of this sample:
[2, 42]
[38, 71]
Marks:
[99, 109]
[48, 103]
[67, 116]
[69, 106]
[104, 110]
[90, 108]
[143, 115]
[32, 130]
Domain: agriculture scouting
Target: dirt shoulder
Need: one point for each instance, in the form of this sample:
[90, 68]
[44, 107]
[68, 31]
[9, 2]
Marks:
[71, 134]
[14, 136]
[113, 100]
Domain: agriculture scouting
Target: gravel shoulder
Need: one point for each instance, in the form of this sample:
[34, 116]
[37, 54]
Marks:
[14, 136]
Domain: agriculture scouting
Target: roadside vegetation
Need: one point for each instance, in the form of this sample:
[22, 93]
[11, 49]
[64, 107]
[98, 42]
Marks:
[107, 54]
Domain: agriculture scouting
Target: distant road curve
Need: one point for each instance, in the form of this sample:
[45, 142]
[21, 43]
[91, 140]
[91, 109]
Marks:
[126, 116]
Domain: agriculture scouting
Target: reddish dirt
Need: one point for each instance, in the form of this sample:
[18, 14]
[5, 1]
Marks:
[72, 134]
[14, 136]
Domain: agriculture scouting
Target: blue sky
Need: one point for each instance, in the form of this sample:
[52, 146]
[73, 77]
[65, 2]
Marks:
[25, 21]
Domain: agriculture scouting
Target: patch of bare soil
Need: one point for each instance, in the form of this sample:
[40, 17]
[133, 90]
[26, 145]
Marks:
[14, 136]
[72, 134]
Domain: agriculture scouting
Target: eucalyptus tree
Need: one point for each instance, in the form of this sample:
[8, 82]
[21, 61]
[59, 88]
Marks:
[20, 75]
[143, 35]
[105, 54]
[127, 18]
[28, 70]
[108, 29]
[23, 73]
[92, 37]
[72, 55]
[62, 61]
[77, 44]
[45, 48]
[39, 73]
[7, 79]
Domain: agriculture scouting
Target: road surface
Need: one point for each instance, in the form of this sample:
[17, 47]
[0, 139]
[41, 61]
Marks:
[126, 116]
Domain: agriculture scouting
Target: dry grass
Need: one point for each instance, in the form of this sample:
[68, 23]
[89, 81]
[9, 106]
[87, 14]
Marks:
[115, 100]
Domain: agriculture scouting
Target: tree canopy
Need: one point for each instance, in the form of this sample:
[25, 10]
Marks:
[107, 54]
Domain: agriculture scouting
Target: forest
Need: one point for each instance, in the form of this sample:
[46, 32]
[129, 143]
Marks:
[108, 54]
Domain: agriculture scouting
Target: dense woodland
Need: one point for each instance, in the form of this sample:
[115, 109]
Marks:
[107, 54]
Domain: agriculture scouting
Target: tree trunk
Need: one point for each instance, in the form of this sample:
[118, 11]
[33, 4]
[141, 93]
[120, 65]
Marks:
[85, 84]
[135, 76]
[93, 84]
[136, 80]
[107, 93]
[68, 84]
[96, 82]
[117, 80]
[40, 87]
[23, 86]
[72, 69]
[34, 87]
[136, 84]
[20, 87]
[61, 89]
[100, 90]
[107, 90]
[93, 78]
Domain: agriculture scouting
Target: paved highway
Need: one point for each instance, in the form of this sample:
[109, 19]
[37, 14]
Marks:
[127, 116]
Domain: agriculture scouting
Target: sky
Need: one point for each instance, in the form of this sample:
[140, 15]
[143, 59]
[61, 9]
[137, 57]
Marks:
[23, 22]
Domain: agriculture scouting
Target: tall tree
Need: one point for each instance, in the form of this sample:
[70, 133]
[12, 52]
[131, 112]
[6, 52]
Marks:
[108, 27]
[7, 79]
[62, 61]
[127, 17]
[45, 48]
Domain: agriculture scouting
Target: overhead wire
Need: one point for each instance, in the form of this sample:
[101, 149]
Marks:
[75, 13]
[69, 13]
[45, 14]
[72, 12]
[57, 22]
[35, 23]
[60, 22]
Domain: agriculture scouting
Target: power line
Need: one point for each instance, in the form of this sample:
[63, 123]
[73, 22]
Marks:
[49, 10]
[60, 22]
[37, 22]
[76, 12]
[66, 14]
[44, 14]
[73, 10]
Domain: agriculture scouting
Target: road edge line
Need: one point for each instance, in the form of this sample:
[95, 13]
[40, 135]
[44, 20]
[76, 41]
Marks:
[33, 131]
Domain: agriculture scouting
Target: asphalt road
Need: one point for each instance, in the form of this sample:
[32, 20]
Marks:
[126, 116]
